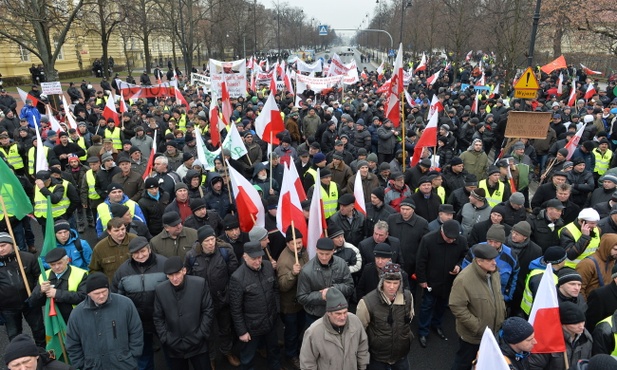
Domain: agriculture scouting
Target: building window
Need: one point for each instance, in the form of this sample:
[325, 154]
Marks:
[24, 54]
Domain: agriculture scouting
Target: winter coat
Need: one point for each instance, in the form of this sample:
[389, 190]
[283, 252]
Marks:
[555, 361]
[153, 210]
[601, 303]
[215, 268]
[367, 246]
[604, 336]
[369, 183]
[183, 318]
[470, 215]
[12, 289]
[65, 299]
[596, 269]
[108, 256]
[342, 175]
[315, 277]
[288, 282]
[426, 208]
[132, 185]
[452, 181]
[79, 259]
[107, 336]
[254, 299]
[479, 231]
[508, 268]
[410, 234]
[475, 162]
[138, 282]
[369, 280]
[387, 141]
[164, 244]
[354, 231]
[475, 305]
[541, 233]
[582, 184]
[436, 258]
[362, 139]
[325, 348]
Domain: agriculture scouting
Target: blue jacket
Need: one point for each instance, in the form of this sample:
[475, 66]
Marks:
[30, 113]
[73, 253]
[508, 270]
[139, 215]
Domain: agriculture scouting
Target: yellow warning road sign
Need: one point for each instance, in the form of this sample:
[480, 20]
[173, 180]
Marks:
[527, 81]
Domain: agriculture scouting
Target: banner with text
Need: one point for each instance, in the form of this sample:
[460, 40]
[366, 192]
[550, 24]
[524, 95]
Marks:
[317, 84]
[233, 73]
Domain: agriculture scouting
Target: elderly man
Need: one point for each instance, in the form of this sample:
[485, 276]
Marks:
[389, 340]
[339, 326]
[137, 279]
[380, 235]
[472, 313]
[183, 317]
[131, 181]
[104, 331]
[408, 228]
[581, 238]
[477, 210]
[175, 239]
[23, 353]
[349, 219]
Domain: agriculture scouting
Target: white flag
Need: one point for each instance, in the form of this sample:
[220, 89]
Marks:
[233, 142]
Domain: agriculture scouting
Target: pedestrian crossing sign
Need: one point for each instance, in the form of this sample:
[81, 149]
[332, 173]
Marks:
[323, 30]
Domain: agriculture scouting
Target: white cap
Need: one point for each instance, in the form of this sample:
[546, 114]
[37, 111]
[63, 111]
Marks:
[589, 214]
[588, 118]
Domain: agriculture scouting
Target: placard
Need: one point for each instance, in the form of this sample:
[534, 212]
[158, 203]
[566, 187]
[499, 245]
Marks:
[51, 88]
[530, 125]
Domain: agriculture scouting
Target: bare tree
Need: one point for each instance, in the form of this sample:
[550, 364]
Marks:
[40, 27]
[144, 17]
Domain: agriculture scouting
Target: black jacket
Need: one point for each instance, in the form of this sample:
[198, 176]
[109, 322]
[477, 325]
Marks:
[212, 218]
[604, 336]
[601, 303]
[254, 299]
[215, 268]
[183, 317]
[12, 289]
[409, 233]
[541, 233]
[64, 298]
[479, 231]
[153, 210]
[138, 282]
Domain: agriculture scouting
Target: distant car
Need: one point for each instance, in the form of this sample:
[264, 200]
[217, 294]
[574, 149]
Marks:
[327, 50]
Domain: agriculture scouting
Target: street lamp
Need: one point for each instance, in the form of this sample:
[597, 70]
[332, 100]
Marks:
[404, 5]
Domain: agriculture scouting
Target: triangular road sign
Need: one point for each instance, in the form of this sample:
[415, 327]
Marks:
[527, 81]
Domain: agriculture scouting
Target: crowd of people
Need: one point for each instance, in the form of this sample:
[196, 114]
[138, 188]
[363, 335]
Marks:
[170, 266]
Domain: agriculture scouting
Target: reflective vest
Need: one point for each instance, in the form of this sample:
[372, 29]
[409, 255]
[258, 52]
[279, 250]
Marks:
[497, 196]
[312, 172]
[105, 212]
[182, 122]
[58, 209]
[602, 161]
[12, 156]
[32, 159]
[609, 321]
[593, 245]
[82, 144]
[115, 137]
[330, 199]
[76, 276]
[527, 301]
[91, 181]
[441, 192]
[99, 101]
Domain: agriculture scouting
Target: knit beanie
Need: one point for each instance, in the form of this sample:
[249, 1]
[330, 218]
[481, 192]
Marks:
[379, 193]
[570, 313]
[497, 233]
[522, 228]
[335, 300]
[602, 361]
[515, 330]
[21, 346]
[204, 232]
[96, 280]
[61, 225]
[566, 275]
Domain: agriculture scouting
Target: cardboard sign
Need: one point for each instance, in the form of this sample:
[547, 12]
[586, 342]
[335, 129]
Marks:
[530, 125]
[51, 88]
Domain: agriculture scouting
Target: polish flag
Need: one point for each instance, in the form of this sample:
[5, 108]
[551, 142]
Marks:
[560, 83]
[363, 75]
[468, 56]
[288, 84]
[24, 95]
[495, 90]
[435, 107]
[428, 139]
[269, 122]
[511, 180]
[297, 182]
[589, 71]
[289, 211]
[393, 112]
[273, 82]
[431, 80]
[573, 143]
[41, 159]
[591, 91]
[385, 87]
[474, 105]
[53, 122]
[215, 134]
[226, 100]
[317, 222]
[422, 65]
[150, 164]
[489, 355]
[123, 107]
[251, 210]
[572, 98]
[180, 98]
[544, 316]
[110, 110]
[358, 193]
[69, 115]
[249, 63]
[380, 71]
[397, 70]
[480, 82]
[410, 101]
[253, 82]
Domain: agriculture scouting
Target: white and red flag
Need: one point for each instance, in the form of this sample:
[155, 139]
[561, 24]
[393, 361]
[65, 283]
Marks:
[468, 56]
[422, 65]
[560, 83]
[431, 80]
[226, 103]
[428, 139]
[573, 143]
[110, 110]
[495, 90]
[269, 122]
[67, 113]
[572, 97]
[489, 355]
[251, 210]
[380, 71]
[590, 92]
[358, 193]
[544, 316]
[289, 211]
[589, 71]
[297, 182]
[150, 164]
[317, 221]
[24, 95]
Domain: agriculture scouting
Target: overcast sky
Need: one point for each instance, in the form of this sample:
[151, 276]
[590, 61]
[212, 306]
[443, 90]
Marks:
[336, 13]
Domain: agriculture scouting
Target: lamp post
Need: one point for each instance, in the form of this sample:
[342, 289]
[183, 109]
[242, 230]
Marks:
[255, 26]
[404, 5]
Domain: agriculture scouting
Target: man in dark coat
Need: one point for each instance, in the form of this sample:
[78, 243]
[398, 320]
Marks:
[602, 302]
[183, 317]
[545, 225]
[525, 251]
[426, 200]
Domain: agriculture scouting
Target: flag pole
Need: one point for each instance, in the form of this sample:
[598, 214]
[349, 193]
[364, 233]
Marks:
[227, 174]
[403, 128]
[271, 162]
[10, 229]
[293, 233]
[565, 359]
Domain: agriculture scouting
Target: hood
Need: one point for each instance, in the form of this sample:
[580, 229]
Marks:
[606, 244]
[537, 264]
[125, 198]
[258, 167]
[470, 148]
[190, 174]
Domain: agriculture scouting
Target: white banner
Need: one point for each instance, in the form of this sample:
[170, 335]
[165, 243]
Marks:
[233, 73]
[317, 84]
[51, 88]
[351, 77]
[337, 67]
[201, 80]
[303, 67]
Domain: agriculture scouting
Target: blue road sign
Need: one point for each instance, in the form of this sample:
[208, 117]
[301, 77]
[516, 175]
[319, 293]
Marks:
[391, 53]
[323, 30]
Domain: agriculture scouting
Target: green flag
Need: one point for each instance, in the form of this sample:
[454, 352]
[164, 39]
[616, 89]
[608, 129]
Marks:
[55, 327]
[17, 202]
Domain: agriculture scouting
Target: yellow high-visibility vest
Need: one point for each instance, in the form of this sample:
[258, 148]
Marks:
[12, 157]
[58, 209]
[594, 243]
[91, 181]
[497, 196]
